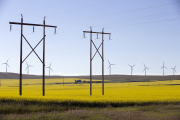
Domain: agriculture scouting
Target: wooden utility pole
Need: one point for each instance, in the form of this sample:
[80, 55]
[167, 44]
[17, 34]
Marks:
[33, 50]
[97, 50]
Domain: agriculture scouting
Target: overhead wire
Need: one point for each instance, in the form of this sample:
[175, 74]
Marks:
[141, 35]
[119, 12]
[46, 7]
[154, 32]
[144, 23]
[154, 15]
[75, 9]
[83, 7]
[11, 18]
[36, 10]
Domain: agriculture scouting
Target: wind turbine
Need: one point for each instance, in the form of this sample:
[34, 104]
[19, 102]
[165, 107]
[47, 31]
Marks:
[110, 67]
[49, 68]
[131, 68]
[28, 67]
[173, 69]
[6, 65]
[163, 68]
[145, 69]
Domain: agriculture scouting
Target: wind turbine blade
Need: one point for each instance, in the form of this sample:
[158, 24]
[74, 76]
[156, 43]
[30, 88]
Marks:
[30, 66]
[8, 65]
[133, 65]
[112, 64]
[129, 65]
[7, 61]
[26, 68]
[50, 65]
[109, 66]
[144, 65]
[108, 61]
[27, 63]
[3, 63]
[51, 69]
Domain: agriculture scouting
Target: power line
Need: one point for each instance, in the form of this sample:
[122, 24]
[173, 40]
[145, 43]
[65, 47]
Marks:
[144, 23]
[82, 7]
[155, 32]
[46, 7]
[126, 19]
[120, 12]
[76, 9]
[140, 36]
[37, 10]
[11, 19]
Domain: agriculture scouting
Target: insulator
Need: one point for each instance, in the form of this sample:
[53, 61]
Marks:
[33, 29]
[10, 27]
[55, 31]
[97, 36]
[84, 35]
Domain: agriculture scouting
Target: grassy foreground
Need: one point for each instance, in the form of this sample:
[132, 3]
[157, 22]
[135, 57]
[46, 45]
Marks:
[16, 110]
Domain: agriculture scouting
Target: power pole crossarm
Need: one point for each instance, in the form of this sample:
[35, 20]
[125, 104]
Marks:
[96, 32]
[30, 24]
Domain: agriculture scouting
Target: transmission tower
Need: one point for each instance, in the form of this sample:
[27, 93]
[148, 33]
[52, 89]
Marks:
[97, 50]
[33, 50]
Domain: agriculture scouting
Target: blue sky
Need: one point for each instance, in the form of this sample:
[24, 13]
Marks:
[143, 31]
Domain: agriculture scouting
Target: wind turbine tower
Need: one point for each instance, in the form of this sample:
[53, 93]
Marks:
[110, 67]
[28, 67]
[145, 69]
[174, 69]
[49, 68]
[6, 65]
[163, 68]
[131, 68]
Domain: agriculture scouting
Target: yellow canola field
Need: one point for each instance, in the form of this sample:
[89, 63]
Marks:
[160, 91]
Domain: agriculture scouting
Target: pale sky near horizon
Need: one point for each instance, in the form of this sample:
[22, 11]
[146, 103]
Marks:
[142, 31]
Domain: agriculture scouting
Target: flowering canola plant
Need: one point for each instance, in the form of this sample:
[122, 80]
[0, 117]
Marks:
[157, 91]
